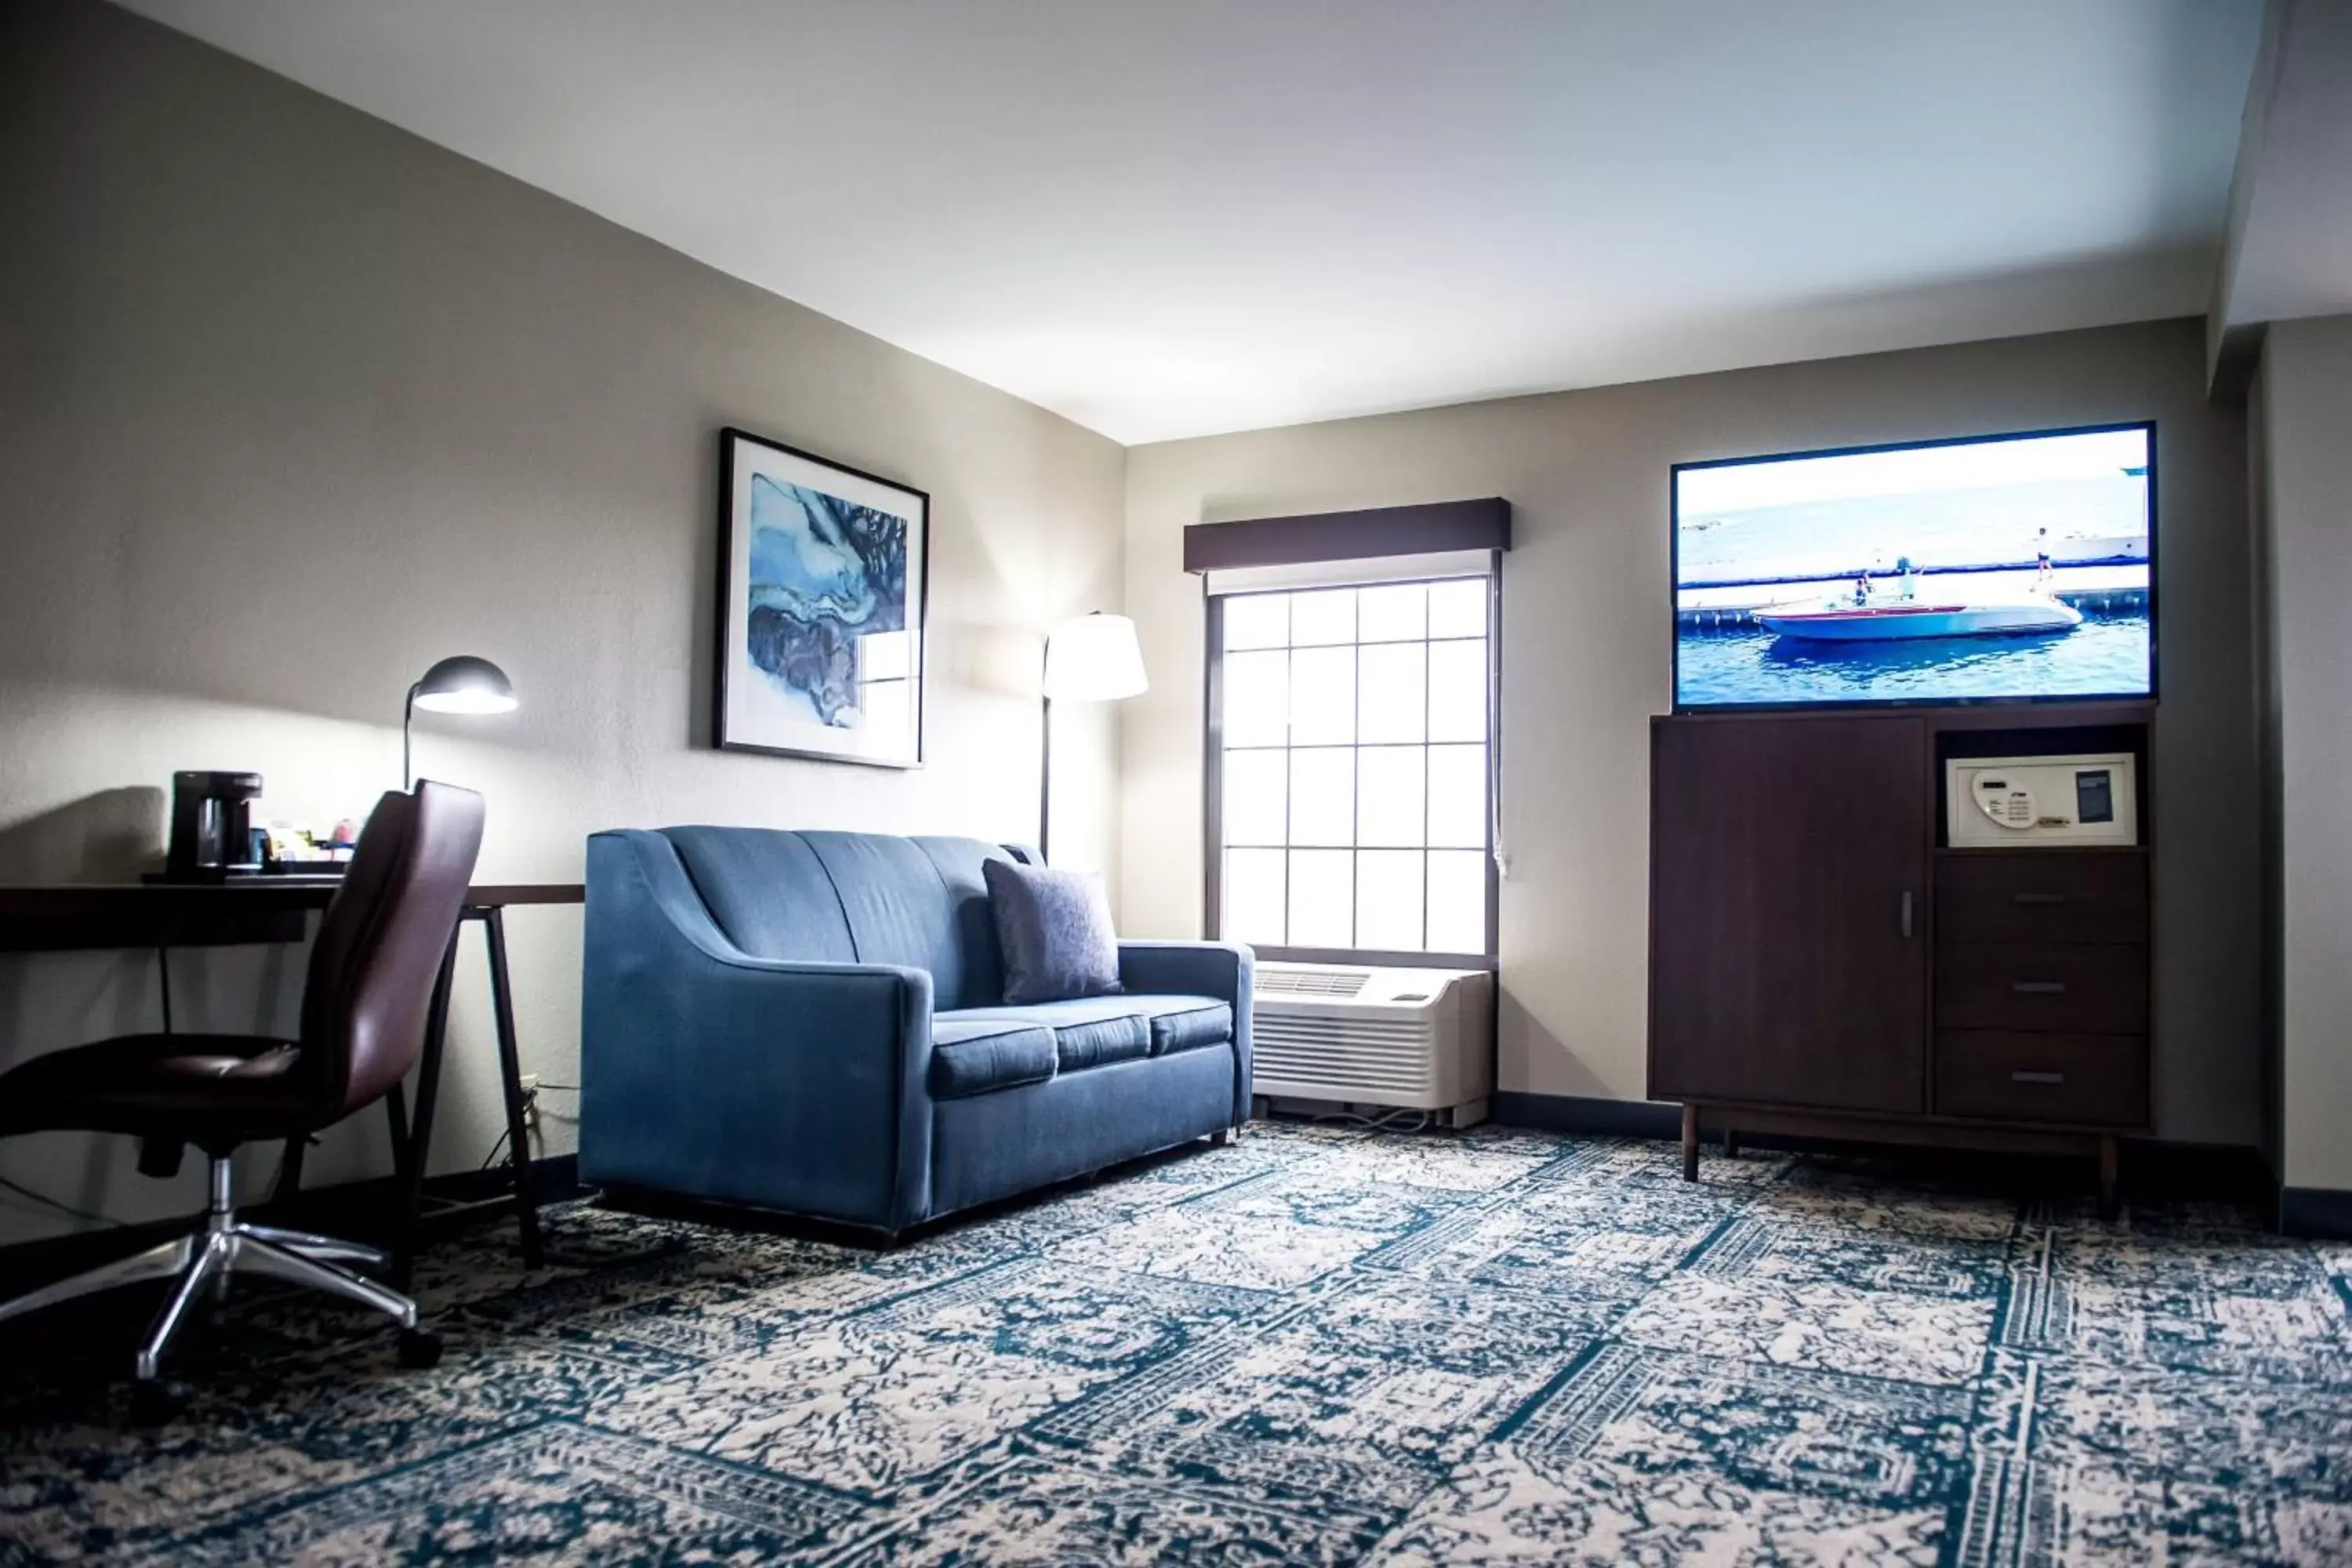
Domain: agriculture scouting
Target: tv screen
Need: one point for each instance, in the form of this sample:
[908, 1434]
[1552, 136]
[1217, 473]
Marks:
[2007, 568]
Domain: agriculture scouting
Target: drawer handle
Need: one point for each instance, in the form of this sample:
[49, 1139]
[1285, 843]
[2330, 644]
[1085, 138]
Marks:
[2039, 987]
[2037, 897]
[2024, 1077]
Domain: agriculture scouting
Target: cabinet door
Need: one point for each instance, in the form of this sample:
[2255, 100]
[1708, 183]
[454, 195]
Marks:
[1788, 922]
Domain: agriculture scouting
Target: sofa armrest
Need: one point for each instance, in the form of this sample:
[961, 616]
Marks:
[1219, 969]
[705, 1070]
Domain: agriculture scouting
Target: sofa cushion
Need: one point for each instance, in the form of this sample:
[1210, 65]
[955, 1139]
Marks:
[1140, 1023]
[1194, 1026]
[1098, 1041]
[979, 1056]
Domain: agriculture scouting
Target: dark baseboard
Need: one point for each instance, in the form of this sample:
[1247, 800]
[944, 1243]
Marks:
[2150, 1167]
[362, 1211]
[1579, 1113]
[2324, 1213]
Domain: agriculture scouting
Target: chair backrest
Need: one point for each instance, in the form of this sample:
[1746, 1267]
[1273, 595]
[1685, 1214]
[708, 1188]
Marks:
[380, 946]
[853, 897]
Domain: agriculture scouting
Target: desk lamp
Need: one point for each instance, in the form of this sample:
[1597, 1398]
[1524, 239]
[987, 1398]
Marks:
[461, 683]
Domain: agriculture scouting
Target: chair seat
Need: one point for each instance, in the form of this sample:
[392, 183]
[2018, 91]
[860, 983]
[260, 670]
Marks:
[197, 1088]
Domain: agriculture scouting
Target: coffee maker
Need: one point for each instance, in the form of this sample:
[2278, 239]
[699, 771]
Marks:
[212, 827]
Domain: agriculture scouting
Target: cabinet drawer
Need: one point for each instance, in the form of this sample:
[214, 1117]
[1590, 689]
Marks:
[2042, 896]
[2041, 986]
[2008, 1077]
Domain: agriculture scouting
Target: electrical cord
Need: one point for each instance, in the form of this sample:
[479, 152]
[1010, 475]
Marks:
[531, 1112]
[1398, 1120]
[47, 1201]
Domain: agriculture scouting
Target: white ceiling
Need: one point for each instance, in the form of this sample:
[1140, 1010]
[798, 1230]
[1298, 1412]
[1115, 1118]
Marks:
[1177, 217]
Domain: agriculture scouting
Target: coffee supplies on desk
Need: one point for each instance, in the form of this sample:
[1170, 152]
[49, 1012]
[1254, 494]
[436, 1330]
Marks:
[288, 849]
[212, 826]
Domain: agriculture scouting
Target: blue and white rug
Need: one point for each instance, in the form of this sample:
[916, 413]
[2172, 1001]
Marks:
[1311, 1347]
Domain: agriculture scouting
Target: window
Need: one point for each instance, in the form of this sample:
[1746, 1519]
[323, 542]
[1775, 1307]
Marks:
[1349, 787]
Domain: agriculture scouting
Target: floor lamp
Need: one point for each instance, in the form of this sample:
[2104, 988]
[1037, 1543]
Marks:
[1092, 658]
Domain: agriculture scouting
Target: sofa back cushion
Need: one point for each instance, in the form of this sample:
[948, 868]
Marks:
[959, 863]
[767, 890]
[853, 898]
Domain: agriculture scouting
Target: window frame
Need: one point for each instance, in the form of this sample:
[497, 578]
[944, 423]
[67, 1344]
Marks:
[1213, 787]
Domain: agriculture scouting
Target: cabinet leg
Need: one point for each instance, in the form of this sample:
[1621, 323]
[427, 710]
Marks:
[2110, 1176]
[1730, 1144]
[1690, 1143]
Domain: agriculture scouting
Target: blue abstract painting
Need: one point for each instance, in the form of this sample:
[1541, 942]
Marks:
[825, 572]
[821, 607]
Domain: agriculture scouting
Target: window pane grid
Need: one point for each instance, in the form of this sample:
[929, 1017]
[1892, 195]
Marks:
[1365, 885]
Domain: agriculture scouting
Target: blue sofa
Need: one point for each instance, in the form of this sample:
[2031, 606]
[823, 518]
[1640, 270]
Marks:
[814, 1023]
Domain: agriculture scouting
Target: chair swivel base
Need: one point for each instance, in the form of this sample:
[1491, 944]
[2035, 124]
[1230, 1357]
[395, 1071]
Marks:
[225, 1247]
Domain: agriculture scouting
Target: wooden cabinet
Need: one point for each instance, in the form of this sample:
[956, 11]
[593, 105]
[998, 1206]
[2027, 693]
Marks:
[1788, 881]
[1821, 964]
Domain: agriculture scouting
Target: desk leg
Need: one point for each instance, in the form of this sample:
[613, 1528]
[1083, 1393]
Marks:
[290, 1171]
[396, 1111]
[494, 934]
[419, 1141]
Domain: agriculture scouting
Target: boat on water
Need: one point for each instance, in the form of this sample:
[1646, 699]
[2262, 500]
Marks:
[1847, 620]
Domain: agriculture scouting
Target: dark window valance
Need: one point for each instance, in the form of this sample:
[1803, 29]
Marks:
[1433, 528]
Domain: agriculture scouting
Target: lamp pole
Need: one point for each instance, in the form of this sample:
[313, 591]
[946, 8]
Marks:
[1044, 779]
[407, 723]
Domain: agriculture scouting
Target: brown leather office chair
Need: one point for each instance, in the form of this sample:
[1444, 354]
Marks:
[364, 1015]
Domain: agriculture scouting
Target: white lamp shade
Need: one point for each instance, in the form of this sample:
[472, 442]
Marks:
[1093, 659]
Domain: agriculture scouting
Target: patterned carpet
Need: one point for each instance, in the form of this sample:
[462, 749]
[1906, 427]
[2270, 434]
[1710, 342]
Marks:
[1311, 1347]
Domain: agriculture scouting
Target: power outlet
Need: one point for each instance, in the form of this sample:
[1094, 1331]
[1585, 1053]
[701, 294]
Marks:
[529, 1085]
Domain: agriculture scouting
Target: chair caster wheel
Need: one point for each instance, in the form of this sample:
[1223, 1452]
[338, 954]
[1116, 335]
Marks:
[154, 1403]
[419, 1349]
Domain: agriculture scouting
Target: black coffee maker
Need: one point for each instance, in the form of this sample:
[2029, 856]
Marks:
[212, 827]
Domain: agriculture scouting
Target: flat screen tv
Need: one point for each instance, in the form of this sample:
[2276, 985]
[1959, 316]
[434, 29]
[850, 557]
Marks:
[1985, 569]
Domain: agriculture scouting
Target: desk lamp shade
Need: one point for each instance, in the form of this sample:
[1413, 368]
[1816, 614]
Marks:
[461, 683]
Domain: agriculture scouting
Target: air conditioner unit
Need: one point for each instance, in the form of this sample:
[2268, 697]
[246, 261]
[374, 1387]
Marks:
[1420, 1040]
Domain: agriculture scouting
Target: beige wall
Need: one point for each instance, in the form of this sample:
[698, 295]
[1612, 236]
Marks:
[2303, 415]
[1586, 639]
[292, 403]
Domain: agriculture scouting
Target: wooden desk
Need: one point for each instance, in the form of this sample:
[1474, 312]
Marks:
[277, 910]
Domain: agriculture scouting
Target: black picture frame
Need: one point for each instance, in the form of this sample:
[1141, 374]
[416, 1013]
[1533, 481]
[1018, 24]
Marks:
[734, 726]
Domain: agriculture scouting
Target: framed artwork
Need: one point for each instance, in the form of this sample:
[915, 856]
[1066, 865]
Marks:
[823, 573]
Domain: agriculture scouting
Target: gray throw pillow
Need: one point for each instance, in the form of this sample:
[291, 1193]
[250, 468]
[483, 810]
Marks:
[1054, 928]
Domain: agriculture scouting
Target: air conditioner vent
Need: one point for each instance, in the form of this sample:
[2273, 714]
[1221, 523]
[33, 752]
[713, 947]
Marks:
[1274, 982]
[1411, 1038]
